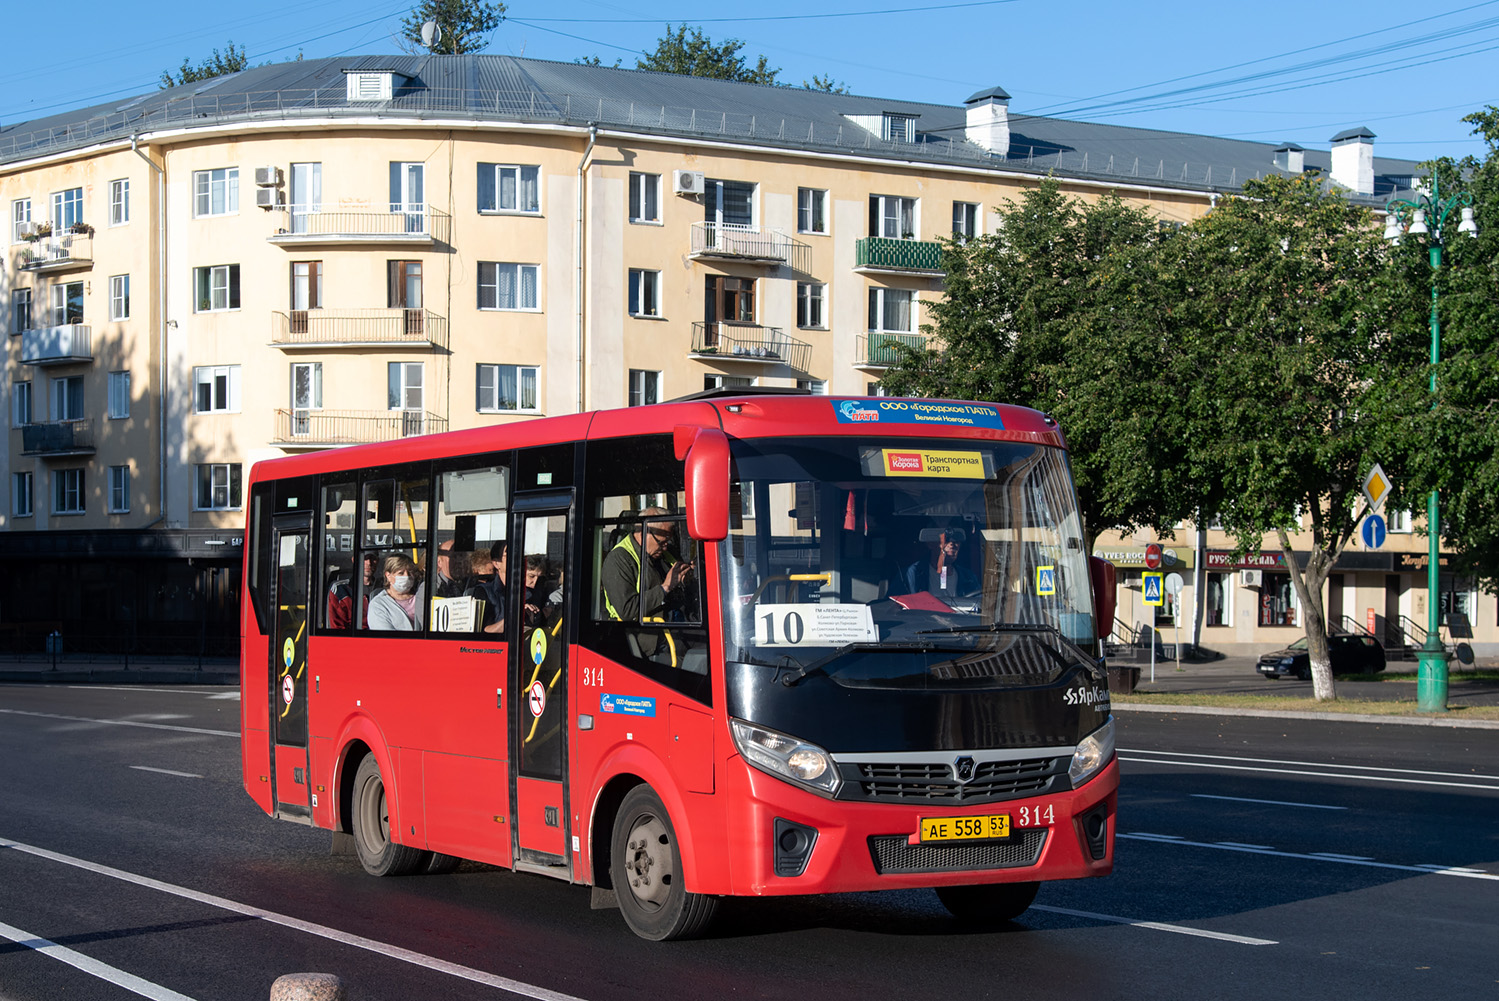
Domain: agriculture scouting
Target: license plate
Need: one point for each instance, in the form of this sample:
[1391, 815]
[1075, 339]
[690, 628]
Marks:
[995, 825]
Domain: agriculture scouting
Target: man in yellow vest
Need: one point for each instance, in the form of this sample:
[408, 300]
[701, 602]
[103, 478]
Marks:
[637, 589]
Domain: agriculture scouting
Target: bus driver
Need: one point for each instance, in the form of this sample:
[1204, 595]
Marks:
[637, 590]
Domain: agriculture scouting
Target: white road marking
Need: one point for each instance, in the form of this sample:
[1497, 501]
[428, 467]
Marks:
[226, 695]
[93, 967]
[1431, 868]
[1157, 926]
[125, 722]
[165, 771]
[1347, 858]
[297, 924]
[1240, 844]
[1268, 802]
[1492, 786]
[158, 691]
[1314, 764]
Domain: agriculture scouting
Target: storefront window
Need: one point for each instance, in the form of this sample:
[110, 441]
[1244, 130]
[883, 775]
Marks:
[1217, 607]
[1277, 600]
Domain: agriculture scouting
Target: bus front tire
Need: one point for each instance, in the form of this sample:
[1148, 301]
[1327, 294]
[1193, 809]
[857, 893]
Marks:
[379, 855]
[991, 903]
[646, 869]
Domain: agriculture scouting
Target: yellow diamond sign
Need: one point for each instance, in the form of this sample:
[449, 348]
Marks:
[1376, 487]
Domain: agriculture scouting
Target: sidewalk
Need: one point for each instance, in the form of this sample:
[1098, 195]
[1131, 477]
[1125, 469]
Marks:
[103, 669]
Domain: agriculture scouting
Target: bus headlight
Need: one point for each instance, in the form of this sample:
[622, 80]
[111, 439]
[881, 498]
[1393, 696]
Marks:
[803, 763]
[1091, 755]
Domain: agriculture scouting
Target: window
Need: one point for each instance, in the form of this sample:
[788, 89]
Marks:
[892, 217]
[67, 303]
[714, 381]
[218, 486]
[645, 197]
[119, 297]
[217, 287]
[729, 203]
[216, 192]
[306, 392]
[119, 202]
[645, 387]
[507, 286]
[119, 489]
[20, 219]
[405, 291]
[810, 297]
[404, 379]
[20, 310]
[369, 86]
[408, 194]
[67, 209]
[67, 491]
[874, 389]
[1399, 521]
[1218, 608]
[21, 403]
[899, 128]
[306, 293]
[890, 310]
[505, 187]
[67, 398]
[817, 387]
[965, 220]
[506, 387]
[216, 389]
[645, 292]
[119, 395]
[811, 210]
[306, 195]
[1278, 605]
[21, 487]
[731, 300]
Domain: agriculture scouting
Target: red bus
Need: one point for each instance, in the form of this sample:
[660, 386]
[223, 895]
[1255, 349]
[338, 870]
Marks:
[729, 645]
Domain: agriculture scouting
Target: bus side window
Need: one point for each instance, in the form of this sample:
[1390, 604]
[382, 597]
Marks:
[341, 578]
[464, 591]
[394, 511]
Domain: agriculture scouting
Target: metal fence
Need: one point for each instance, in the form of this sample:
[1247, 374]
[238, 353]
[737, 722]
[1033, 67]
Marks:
[356, 327]
[399, 223]
[327, 428]
[745, 342]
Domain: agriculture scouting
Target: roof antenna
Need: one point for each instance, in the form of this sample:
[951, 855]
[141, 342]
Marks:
[431, 34]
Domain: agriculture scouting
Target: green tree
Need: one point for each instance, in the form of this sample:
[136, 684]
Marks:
[691, 53]
[826, 84]
[465, 25]
[231, 61]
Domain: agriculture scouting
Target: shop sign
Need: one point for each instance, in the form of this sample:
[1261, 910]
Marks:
[1417, 561]
[1220, 560]
[1133, 557]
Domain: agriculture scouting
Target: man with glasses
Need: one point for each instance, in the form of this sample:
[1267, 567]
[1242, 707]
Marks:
[642, 578]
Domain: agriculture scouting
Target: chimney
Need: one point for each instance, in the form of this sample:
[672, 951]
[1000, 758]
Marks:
[1290, 157]
[1353, 160]
[989, 120]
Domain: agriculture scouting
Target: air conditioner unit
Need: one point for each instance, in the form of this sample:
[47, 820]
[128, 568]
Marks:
[687, 182]
[269, 198]
[27, 230]
[268, 177]
[1251, 578]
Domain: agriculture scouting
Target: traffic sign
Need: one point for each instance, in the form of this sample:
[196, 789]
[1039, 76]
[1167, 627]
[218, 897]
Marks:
[1377, 487]
[1154, 587]
[1374, 531]
[1174, 584]
[1153, 555]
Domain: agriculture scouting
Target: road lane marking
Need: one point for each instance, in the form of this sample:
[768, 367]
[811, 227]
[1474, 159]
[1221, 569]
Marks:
[93, 967]
[157, 691]
[1320, 775]
[124, 722]
[1225, 846]
[1349, 858]
[1314, 764]
[1268, 802]
[1157, 926]
[165, 771]
[1240, 844]
[297, 924]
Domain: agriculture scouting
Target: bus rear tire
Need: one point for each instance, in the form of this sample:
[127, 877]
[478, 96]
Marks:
[646, 869]
[991, 903]
[440, 864]
[379, 855]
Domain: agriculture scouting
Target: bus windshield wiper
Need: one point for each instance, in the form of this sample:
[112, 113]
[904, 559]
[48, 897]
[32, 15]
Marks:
[996, 627]
[796, 673]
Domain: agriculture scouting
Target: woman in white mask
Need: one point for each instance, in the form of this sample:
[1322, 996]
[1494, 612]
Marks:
[399, 606]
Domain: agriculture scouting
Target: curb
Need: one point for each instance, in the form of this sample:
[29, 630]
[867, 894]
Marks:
[120, 677]
[1462, 724]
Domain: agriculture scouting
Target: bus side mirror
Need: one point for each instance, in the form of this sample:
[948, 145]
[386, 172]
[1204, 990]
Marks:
[706, 453]
[1105, 593]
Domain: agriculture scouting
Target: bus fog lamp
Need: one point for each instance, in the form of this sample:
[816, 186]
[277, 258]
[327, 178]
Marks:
[1093, 753]
[803, 763]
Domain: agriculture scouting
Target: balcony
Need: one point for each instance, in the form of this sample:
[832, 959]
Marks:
[881, 255]
[879, 350]
[419, 225]
[332, 428]
[713, 241]
[58, 252]
[68, 344]
[58, 439]
[744, 342]
[335, 329]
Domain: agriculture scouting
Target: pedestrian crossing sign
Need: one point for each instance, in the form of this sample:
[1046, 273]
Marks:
[1046, 580]
[1155, 591]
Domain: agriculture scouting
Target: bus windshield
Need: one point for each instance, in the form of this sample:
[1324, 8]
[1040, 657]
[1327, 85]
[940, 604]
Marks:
[906, 562]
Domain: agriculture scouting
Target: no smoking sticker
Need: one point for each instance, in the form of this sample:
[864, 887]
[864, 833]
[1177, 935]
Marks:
[288, 689]
[537, 698]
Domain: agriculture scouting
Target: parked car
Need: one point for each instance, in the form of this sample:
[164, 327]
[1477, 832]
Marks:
[1350, 655]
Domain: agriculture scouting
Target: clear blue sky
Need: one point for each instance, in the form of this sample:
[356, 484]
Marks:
[1277, 70]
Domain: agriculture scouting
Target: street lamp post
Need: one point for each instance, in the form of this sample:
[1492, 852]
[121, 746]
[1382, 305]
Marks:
[1411, 216]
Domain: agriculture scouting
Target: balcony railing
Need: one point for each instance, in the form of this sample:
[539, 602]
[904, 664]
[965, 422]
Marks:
[58, 252]
[305, 225]
[750, 343]
[883, 255]
[58, 438]
[729, 242]
[331, 428]
[357, 328]
[67, 344]
[881, 350]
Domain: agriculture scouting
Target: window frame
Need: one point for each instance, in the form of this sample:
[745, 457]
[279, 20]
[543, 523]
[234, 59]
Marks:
[496, 173]
[878, 296]
[204, 183]
[118, 498]
[65, 398]
[519, 374]
[644, 284]
[812, 217]
[67, 209]
[648, 378]
[233, 486]
[231, 375]
[67, 487]
[22, 301]
[18, 479]
[518, 285]
[969, 221]
[20, 215]
[22, 403]
[119, 395]
[206, 288]
[62, 305]
[119, 202]
[879, 214]
[119, 297]
[805, 298]
[645, 194]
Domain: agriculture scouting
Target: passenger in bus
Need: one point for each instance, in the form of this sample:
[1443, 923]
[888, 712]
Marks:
[494, 591]
[654, 587]
[942, 573]
[450, 581]
[341, 595]
[536, 590]
[399, 606]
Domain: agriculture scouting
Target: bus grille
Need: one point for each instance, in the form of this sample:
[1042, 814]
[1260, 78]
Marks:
[892, 853]
[899, 782]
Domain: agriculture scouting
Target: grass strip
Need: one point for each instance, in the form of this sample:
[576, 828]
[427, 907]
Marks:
[1366, 707]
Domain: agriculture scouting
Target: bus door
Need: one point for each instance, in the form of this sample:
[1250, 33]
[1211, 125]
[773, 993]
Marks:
[539, 600]
[292, 547]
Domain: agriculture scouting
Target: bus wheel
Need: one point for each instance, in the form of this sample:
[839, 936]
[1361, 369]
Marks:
[646, 868]
[379, 855]
[440, 864]
[988, 904]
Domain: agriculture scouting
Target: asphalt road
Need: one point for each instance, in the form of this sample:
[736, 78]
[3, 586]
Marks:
[1256, 858]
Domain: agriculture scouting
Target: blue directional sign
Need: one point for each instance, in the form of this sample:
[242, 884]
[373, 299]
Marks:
[1374, 531]
[1154, 590]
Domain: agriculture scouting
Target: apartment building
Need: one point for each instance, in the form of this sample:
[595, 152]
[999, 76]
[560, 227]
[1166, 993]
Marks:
[335, 251]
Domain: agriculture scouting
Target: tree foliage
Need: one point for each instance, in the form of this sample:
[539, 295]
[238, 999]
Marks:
[465, 25]
[230, 61]
[826, 84]
[691, 53]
